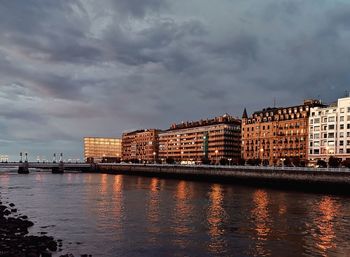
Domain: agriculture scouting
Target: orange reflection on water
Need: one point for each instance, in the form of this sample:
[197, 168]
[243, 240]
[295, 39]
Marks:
[104, 183]
[118, 199]
[153, 208]
[215, 217]
[4, 180]
[182, 210]
[329, 209]
[260, 215]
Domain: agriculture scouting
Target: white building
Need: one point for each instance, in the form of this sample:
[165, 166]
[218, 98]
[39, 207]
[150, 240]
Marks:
[329, 131]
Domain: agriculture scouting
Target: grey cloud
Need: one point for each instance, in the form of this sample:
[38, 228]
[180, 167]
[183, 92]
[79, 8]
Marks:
[75, 68]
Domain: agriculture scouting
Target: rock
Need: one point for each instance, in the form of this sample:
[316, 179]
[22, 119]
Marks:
[46, 254]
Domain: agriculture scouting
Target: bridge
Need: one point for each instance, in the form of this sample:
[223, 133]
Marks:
[55, 167]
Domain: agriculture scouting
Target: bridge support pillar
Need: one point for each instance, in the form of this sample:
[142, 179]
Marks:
[23, 168]
[59, 169]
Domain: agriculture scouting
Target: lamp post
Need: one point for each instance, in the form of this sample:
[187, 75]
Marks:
[229, 161]
[262, 156]
[154, 157]
[182, 153]
[216, 156]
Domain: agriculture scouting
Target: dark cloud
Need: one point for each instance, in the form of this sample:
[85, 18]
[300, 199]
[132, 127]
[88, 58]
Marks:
[74, 68]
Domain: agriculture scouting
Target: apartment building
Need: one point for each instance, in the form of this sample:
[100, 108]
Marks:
[329, 131]
[97, 149]
[272, 135]
[190, 142]
[140, 145]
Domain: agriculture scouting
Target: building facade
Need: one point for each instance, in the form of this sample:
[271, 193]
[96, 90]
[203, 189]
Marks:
[190, 142]
[140, 145]
[97, 149]
[330, 131]
[274, 135]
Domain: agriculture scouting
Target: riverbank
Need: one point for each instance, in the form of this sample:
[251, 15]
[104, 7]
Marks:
[322, 181]
[15, 240]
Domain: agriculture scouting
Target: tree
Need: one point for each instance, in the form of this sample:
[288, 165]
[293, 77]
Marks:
[205, 160]
[321, 164]
[287, 162]
[334, 162]
[346, 163]
[223, 161]
[296, 161]
[241, 161]
[265, 163]
[170, 160]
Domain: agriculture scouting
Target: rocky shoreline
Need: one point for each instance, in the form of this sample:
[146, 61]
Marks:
[15, 240]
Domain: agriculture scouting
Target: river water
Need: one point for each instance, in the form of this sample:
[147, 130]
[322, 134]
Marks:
[117, 215]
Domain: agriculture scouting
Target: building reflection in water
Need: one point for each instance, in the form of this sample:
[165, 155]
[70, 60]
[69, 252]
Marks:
[153, 210]
[118, 203]
[182, 213]
[262, 222]
[325, 220]
[216, 216]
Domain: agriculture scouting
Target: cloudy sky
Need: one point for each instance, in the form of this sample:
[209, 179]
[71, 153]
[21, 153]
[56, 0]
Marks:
[75, 68]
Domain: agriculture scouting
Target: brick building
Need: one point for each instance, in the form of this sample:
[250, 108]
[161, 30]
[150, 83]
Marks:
[190, 142]
[141, 145]
[273, 135]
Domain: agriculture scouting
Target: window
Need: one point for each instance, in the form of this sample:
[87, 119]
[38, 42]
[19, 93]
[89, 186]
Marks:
[330, 135]
[317, 120]
[341, 134]
[341, 126]
[341, 118]
[342, 110]
[317, 151]
[317, 136]
[331, 119]
[330, 126]
[347, 150]
[341, 142]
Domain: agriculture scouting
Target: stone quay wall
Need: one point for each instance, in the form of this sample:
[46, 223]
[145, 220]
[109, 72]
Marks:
[305, 179]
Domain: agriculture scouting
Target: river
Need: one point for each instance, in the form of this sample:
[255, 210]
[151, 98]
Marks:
[118, 215]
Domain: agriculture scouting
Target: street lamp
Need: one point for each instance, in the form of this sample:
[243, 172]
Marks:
[154, 156]
[216, 156]
[262, 156]
[229, 161]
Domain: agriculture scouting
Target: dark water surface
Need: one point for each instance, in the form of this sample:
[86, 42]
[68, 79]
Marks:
[115, 215]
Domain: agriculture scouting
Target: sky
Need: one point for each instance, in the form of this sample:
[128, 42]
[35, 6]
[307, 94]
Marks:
[75, 68]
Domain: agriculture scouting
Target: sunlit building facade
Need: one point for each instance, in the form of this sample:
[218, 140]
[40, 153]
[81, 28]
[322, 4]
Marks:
[190, 142]
[140, 145]
[274, 134]
[330, 131]
[97, 149]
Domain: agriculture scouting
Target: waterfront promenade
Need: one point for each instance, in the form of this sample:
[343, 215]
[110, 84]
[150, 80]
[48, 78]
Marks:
[325, 180]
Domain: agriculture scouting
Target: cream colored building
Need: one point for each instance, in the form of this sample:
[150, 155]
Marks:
[98, 148]
[329, 131]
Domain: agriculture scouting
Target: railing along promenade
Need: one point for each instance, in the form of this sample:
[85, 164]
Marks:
[325, 180]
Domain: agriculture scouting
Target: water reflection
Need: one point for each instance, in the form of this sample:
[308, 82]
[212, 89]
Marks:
[118, 207]
[182, 213]
[153, 209]
[261, 218]
[325, 235]
[216, 216]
